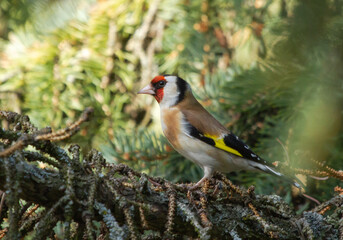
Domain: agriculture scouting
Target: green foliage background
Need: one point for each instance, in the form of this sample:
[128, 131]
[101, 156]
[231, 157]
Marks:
[271, 71]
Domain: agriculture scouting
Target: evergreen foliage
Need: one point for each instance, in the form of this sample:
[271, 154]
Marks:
[56, 193]
[268, 70]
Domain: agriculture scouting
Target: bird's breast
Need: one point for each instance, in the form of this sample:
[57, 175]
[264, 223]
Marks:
[171, 125]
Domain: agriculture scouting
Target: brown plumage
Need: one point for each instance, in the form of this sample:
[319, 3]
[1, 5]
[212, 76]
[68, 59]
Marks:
[198, 117]
[171, 118]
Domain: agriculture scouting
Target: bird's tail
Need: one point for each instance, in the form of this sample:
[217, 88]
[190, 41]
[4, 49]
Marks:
[270, 170]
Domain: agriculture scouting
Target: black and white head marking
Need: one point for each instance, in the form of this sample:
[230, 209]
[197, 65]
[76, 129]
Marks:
[182, 87]
[174, 91]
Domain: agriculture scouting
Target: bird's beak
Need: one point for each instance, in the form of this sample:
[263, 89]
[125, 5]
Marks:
[147, 90]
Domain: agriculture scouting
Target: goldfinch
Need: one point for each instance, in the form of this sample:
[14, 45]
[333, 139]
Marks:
[197, 135]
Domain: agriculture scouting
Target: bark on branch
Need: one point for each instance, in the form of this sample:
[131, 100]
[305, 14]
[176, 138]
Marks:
[126, 203]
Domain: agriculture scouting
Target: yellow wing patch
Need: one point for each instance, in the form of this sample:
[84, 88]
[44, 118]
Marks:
[219, 143]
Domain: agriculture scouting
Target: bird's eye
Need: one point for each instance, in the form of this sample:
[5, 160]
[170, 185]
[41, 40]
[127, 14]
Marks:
[161, 84]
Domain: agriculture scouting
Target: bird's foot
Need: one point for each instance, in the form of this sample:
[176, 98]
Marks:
[192, 188]
[204, 181]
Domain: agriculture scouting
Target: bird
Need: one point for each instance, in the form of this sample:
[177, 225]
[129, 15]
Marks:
[198, 136]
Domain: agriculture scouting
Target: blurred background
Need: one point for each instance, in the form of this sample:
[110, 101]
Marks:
[270, 71]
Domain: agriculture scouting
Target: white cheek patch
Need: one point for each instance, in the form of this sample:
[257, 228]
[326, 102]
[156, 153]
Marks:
[170, 95]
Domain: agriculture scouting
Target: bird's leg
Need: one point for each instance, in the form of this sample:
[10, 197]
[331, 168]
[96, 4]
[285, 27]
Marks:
[207, 176]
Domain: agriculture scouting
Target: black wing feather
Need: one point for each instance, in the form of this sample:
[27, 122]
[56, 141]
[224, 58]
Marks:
[232, 141]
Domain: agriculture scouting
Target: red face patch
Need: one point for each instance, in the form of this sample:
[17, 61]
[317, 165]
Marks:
[158, 83]
[159, 95]
[157, 78]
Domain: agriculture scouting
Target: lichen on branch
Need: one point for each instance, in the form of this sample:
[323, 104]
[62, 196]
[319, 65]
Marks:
[95, 199]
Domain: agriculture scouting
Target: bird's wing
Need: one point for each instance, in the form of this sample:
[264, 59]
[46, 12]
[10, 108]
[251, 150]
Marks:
[202, 125]
[228, 142]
